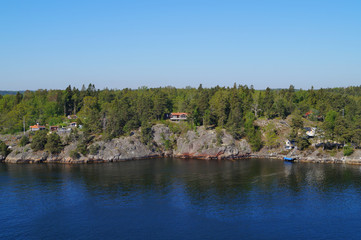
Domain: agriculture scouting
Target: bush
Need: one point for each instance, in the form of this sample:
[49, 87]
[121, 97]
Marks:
[39, 141]
[169, 144]
[24, 140]
[82, 148]
[4, 149]
[146, 134]
[74, 154]
[302, 143]
[54, 144]
[219, 136]
[347, 150]
[255, 141]
[94, 149]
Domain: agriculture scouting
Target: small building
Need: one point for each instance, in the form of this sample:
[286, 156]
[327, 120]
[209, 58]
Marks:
[290, 144]
[37, 127]
[54, 128]
[178, 116]
[73, 124]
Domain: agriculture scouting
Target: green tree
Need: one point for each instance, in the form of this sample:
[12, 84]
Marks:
[252, 132]
[4, 149]
[24, 140]
[347, 150]
[146, 133]
[271, 136]
[90, 115]
[53, 144]
[39, 140]
[330, 124]
[219, 106]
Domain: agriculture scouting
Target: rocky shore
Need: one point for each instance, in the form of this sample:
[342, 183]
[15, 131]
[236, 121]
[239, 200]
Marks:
[201, 143]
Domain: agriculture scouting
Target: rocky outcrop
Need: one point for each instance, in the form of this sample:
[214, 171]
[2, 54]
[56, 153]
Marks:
[199, 143]
[26, 155]
[208, 144]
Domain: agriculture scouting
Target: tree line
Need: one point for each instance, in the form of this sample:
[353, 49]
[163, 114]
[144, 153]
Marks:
[112, 112]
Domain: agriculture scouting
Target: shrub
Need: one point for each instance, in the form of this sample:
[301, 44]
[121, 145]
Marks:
[302, 143]
[271, 136]
[24, 140]
[82, 148]
[146, 134]
[4, 149]
[219, 136]
[53, 144]
[74, 154]
[39, 141]
[347, 150]
[94, 149]
[255, 141]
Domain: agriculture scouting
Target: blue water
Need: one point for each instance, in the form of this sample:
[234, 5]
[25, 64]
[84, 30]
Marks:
[180, 199]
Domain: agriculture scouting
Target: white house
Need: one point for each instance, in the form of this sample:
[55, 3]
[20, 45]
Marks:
[178, 116]
[37, 127]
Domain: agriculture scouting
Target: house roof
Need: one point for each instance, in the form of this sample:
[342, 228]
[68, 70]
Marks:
[178, 114]
[37, 126]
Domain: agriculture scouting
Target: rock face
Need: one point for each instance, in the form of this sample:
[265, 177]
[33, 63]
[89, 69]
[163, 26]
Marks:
[199, 143]
[26, 155]
[202, 143]
[208, 144]
[121, 149]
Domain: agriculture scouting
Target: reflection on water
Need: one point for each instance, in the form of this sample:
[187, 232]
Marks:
[174, 198]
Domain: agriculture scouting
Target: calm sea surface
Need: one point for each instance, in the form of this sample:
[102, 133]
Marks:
[180, 199]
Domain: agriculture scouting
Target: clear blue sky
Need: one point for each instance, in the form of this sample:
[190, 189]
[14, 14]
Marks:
[118, 44]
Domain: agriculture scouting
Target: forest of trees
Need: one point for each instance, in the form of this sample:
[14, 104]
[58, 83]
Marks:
[113, 113]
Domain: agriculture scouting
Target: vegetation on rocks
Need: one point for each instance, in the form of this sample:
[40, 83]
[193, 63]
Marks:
[24, 141]
[4, 149]
[107, 114]
[53, 144]
[39, 140]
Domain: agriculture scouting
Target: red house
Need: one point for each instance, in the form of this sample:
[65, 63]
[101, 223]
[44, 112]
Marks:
[178, 116]
[37, 127]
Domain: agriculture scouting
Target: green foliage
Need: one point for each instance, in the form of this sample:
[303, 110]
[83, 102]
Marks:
[39, 140]
[4, 149]
[24, 141]
[297, 122]
[114, 113]
[53, 144]
[347, 150]
[252, 132]
[302, 143]
[169, 144]
[146, 134]
[94, 149]
[330, 124]
[219, 136]
[271, 136]
[90, 115]
[82, 148]
[74, 154]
